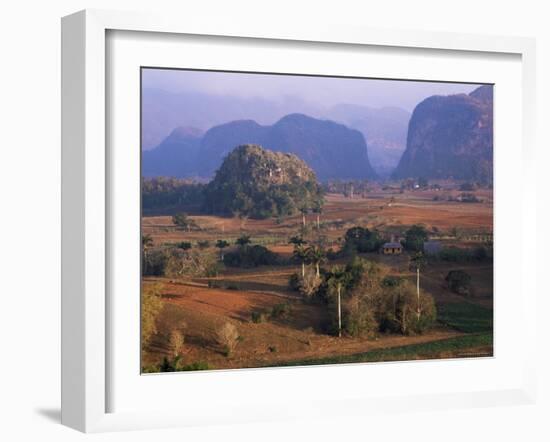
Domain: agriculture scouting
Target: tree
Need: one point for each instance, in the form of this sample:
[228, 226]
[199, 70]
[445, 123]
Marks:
[309, 283]
[203, 244]
[297, 240]
[243, 241]
[301, 254]
[304, 210]
[459, 282]
[418, 262]
[361, 240]
[415, 238]
[146, 243]
[337, 282]
[176, 342]
[399, 311]
[318, 209]
[221, 244]
[184, 245]
[423, 182]
[228, 337]
[316, 255]
[183, 221]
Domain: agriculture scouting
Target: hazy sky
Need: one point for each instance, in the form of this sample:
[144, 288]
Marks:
[324, 91]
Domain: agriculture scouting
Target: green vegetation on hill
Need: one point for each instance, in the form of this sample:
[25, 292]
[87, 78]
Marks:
[258, 183]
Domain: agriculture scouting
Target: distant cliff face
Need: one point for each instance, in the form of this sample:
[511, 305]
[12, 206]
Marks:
[451, 137]
[332, 150]
[176, 156]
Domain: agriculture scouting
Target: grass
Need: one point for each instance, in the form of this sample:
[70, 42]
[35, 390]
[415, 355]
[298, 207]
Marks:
[428, 350]
[466, 317]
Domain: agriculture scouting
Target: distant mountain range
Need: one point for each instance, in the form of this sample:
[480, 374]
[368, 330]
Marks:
[451, 137]
[384, 129]
[446, 136]
[332, 150]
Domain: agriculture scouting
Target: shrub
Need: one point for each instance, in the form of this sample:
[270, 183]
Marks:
[280, 311]
[176, 364]
[227, 336]
[258, 317]
[459, 282]
[294, 281]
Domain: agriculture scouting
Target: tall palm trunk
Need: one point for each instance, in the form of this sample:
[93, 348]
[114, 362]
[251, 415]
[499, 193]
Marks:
[303, 269]
[318, 270]
[339, 312]
[318, 223]
[418, 293]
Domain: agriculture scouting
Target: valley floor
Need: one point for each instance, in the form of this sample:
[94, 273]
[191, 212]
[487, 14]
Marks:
[200, 306]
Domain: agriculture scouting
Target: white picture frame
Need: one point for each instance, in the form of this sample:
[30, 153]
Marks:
[86, 202]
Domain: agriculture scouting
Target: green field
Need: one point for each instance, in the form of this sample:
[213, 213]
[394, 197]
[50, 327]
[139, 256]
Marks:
[458, 347]
[466, 317]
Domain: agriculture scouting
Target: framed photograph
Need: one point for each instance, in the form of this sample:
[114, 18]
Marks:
[280, 222]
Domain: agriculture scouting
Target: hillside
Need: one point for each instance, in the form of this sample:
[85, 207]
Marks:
[256, 182]
[176, 156]
[451, 137]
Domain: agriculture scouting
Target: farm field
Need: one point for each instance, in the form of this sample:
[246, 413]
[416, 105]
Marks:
[277, 327]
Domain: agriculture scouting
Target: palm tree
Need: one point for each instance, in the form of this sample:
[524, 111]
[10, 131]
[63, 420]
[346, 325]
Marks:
[297, 240]
[317, 255]
[418, 261]
[243, 240]
[304, 210]
[336, 281]
[146, 242]
[302, 255]
[221, 244]
[318, 209]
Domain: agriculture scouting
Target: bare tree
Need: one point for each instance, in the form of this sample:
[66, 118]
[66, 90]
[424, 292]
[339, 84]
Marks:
[176, 342]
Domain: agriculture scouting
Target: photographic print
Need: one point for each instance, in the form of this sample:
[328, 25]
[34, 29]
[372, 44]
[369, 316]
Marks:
[293, 220]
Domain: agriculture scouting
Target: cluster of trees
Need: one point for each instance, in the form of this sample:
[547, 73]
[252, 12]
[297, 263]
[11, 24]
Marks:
[361, 240]
[363, 300]
[178, 260]
[170, 194]
[460, 255]
[248, 254]
[349, 189]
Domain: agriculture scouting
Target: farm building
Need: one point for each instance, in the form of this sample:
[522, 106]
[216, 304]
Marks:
[432, 247]
[392, 248]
